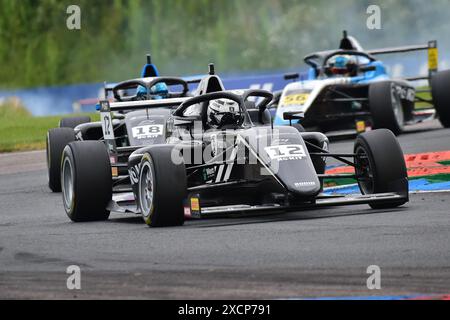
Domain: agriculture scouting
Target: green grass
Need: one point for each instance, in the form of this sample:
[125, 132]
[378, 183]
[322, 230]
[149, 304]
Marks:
[423, 95]
[20, 131]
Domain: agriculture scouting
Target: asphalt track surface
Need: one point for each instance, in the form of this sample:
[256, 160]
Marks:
[295, 255]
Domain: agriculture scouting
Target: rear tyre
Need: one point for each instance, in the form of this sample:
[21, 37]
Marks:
[380, 166]
[162, 188]
[86, 181]
[72, 122]
[386, 107]
[57, 139]
[440, 90]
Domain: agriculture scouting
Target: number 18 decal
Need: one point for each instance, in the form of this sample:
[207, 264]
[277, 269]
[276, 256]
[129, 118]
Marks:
[149, 131]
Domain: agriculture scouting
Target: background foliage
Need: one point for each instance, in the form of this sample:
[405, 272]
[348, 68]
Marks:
[37, 49]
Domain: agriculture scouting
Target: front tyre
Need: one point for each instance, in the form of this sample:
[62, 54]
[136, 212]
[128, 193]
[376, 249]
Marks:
[57, 139]
[386, 107]
[380, 166]
[86, 181]
[161, 188]
[72, 122]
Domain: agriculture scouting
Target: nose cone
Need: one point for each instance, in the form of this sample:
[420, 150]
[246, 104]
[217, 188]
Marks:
[298, 175]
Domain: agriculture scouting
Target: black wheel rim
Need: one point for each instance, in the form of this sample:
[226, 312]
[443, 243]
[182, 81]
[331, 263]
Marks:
[364, 173]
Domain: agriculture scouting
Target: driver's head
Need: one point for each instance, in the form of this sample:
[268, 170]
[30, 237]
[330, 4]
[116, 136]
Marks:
[224, 113]
[341, 65]
[157, 92]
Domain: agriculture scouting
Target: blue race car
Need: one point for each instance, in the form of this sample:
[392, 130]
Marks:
[348, 89]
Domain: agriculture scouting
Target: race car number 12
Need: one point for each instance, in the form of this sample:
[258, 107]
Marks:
[286, 151]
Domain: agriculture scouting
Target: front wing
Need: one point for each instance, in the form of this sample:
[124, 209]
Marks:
[125, 204]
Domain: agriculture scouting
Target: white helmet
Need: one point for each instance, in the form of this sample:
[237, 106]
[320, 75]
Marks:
[224, 112]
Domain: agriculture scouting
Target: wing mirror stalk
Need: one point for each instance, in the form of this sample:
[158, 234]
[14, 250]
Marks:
[293, 116]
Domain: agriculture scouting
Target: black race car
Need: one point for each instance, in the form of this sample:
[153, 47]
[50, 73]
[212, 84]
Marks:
[217, 161]
[132, 123]
[130, 128]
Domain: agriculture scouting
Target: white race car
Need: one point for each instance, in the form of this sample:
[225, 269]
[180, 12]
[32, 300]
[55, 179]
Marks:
[348, 89]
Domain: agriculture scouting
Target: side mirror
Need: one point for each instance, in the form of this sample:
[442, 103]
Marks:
[291, 76]
[119, 116]
[184, 121]
[293, 115]
[368, 68]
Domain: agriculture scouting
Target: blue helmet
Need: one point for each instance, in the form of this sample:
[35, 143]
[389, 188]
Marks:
[341, 64]
[158, 91]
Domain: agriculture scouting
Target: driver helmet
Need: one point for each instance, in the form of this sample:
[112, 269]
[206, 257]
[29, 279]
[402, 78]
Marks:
[158, 91]
[342, 64]
[224, 112]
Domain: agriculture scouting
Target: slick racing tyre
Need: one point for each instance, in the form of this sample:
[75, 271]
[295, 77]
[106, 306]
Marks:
[86, 181]
[72, 122]
[380, 166]
[386, 107]
[162, 188]
[57, 139]
[440, 90]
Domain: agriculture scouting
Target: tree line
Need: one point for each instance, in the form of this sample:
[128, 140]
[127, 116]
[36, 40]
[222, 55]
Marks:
[183, 36]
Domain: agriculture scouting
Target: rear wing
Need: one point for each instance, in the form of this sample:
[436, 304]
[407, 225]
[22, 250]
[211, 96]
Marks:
[432, 49]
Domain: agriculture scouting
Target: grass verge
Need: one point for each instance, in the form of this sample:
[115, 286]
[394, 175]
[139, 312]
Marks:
[424, 95]
[20, 131]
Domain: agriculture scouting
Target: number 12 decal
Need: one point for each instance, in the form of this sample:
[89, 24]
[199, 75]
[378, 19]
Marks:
[285, 151]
